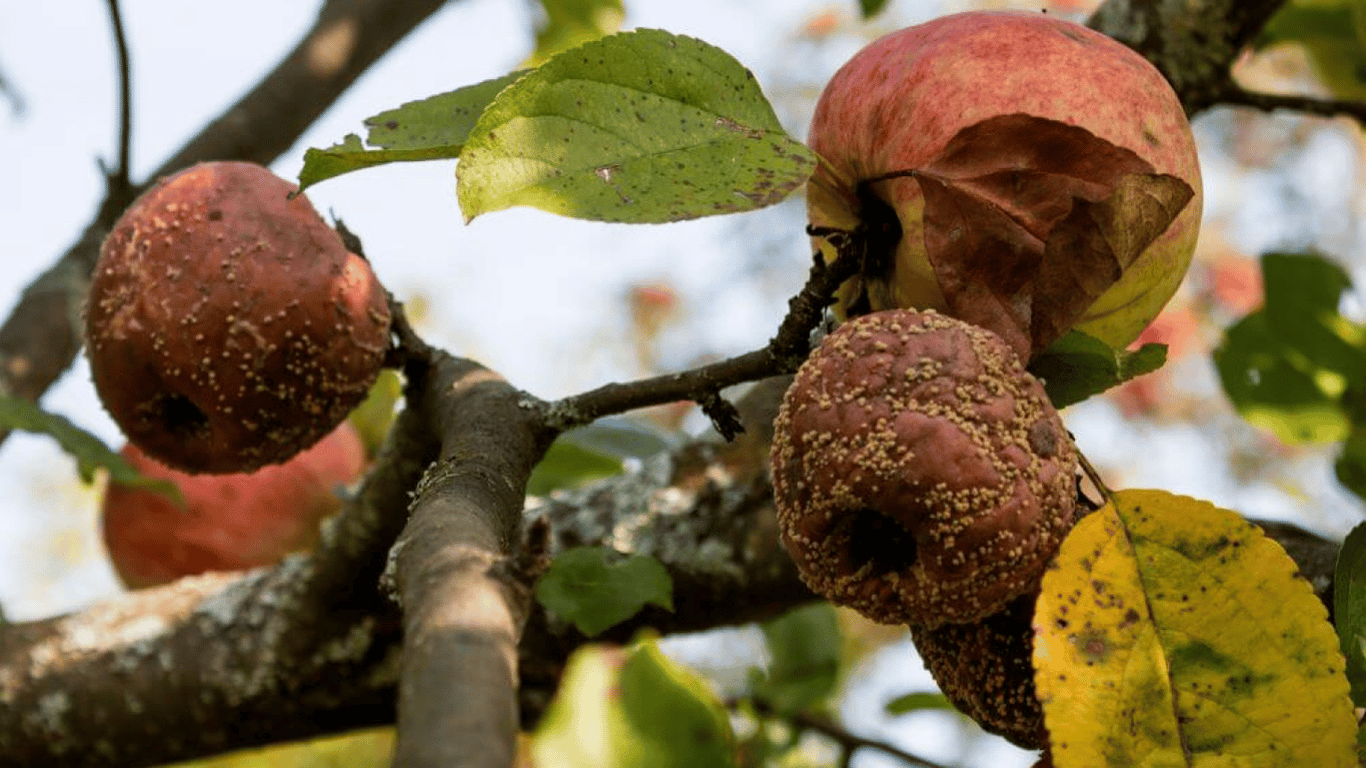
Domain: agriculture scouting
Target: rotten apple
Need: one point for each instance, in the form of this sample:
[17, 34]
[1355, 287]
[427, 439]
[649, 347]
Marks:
[228, 326]
[229, 522]
[1014, 170]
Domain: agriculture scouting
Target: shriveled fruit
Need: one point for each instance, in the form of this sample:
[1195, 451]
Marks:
[920, 474]
[1017, 171]
[227, 325]
[984, 667]
[229, 522]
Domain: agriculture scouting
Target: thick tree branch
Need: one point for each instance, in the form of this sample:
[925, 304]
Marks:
[41, 337]
[223, 661]
[464, 599]
[1193, 43]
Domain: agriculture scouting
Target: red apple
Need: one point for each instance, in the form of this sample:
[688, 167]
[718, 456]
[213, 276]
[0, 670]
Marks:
[1045, 126]
[228, 326]
[230, 522]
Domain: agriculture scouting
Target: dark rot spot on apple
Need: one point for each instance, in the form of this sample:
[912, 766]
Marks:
[877, 542]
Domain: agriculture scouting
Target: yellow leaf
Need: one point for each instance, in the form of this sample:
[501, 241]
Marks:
[370, 748]
[1173, 633]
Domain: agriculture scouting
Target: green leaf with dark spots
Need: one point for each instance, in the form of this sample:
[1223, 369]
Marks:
[434, 128]
[641, 127]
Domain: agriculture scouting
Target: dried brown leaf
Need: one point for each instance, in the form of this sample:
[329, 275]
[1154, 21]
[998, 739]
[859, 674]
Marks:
[1028, 220]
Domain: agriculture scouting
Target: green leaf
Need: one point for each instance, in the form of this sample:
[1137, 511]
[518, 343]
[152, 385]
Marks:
[1078, 366]
[376, 413]
[89, 451]
[573, 22]
[596, 588]
[1333, 32]
[1349, 609]
[1350, 466]
[1288, 366]
[434, 128]
[567, 465]
[595, 451]
[624, 438]
[641, 126]
[914, 702]
[632, 708]
[804, 647]
[870, 8]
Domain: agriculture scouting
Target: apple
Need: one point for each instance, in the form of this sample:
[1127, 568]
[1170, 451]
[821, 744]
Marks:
[229, 522]
[1015, 170]
[228, 327]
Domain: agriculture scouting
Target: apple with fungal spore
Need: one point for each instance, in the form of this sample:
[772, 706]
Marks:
[229, 522]
[228, 326]
[1014, 170]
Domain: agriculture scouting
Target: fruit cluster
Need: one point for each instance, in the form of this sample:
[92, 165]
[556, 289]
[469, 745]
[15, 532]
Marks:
[1023, 176]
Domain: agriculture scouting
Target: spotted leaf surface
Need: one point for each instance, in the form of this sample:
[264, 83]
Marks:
[1174, 633]
[641, 126]
[434, 128]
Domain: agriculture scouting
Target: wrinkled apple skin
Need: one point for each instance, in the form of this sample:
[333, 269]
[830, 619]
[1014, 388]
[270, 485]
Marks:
[900, 100]
[227, 325]
[230, 522]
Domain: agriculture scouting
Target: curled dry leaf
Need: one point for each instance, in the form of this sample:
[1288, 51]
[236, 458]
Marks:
[1029, 220]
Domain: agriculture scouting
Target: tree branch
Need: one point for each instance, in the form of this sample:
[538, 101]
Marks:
[783, 354]
[1234, 95]
[1194, 44]
[464, 600]
[222, 661]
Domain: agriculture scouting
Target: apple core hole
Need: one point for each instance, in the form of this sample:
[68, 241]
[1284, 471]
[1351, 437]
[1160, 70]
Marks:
[883, 232]
[180, 416]
[874, 539]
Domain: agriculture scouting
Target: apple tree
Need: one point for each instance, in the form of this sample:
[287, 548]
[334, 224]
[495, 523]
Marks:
[1000, 207]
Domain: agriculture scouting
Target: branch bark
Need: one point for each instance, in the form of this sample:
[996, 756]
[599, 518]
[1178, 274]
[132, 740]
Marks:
[222, 661]
[455, 568]
[1193, 43]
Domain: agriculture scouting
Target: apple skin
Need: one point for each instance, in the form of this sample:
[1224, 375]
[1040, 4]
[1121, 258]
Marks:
[227, 325]
[897, 103]
[230, 522]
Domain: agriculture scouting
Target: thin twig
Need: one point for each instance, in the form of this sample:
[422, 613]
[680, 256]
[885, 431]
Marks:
[848, 742]
[852, 742]
[784, 353]
[1268, 102]
[118, 178]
